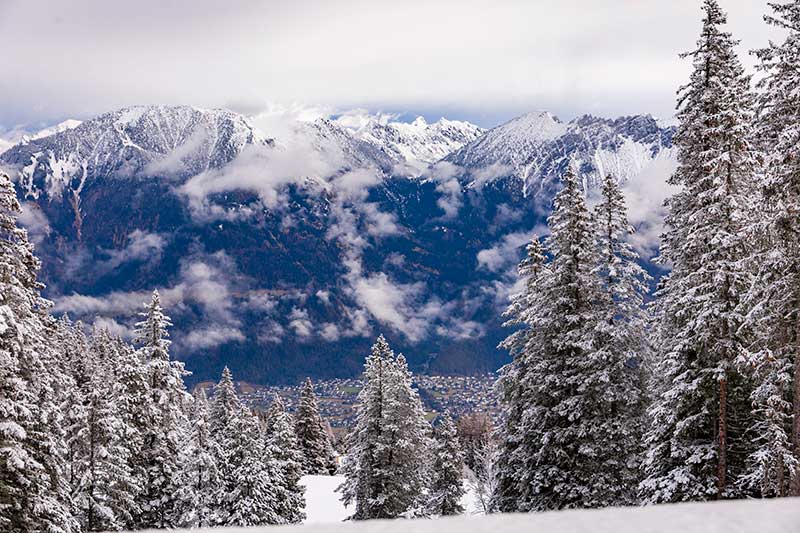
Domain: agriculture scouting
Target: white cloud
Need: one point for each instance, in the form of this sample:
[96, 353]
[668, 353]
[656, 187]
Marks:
[506, 252]
[210, 337]
[140, 246]
[300, 323]
[511, 56]
[645, 195]
[35, 222]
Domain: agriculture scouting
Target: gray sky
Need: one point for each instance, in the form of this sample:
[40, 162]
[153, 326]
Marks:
[484, 61]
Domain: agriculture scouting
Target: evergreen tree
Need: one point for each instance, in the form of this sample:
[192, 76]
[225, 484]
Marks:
[252, 498]
[533, 270]
[696, 438]
[166, 418]
[447, 484]
[225, 404]
[33, 492]
[284, 450]
[319, 456]
[774, 303]
[202, 491]
[569, 426]
[103, 494]
[386, 467]
[619, 349]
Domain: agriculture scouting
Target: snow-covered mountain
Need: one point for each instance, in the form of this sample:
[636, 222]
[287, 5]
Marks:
[137, 141]
[417, 144]
[537, 148]
[284, 258]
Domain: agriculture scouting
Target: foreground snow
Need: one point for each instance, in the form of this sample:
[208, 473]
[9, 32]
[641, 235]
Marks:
[752, 516]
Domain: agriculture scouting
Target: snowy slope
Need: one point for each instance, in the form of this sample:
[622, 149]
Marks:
[537, 148]
[749, 516]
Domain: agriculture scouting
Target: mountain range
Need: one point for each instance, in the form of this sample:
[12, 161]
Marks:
[285, 255]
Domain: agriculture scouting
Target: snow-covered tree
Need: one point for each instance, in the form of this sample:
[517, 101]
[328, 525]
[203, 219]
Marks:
[101, 478]
[202, 491]
[319, 456]
[568, 432]
[386, 467]
[696, 442]
[34, 495]
[774, 302]
[447, 472]
[225, 404]
[619, 348]
[252, 498]
[284, 450]
[166, 418]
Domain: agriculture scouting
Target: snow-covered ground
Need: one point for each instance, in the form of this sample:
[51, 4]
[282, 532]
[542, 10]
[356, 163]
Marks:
[322, 503]
[751, 516]
[324, 507]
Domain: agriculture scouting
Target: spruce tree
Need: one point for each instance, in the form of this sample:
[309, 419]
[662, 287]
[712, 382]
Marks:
[447, 483]
[166, 417]
[319, 457]
[696, 438]
[33, 490]
[386, 467]
[774, 303]
[202, 491]
[284, 450]
[252, 498]
[569, 426]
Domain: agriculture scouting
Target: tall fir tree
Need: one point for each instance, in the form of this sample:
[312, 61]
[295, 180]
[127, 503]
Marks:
[696, 440]
[252, 498]
[202, 490]
[447, 472]
[166, 417]
[774, 303]
[319, 457]
[569, 425]
[619, 350]
[284, 450]
[386, 467]
[34, 495]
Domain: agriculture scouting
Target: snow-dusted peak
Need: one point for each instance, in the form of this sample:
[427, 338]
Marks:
[144, 141]
[538, 147]
[52, 130]
[417, 144]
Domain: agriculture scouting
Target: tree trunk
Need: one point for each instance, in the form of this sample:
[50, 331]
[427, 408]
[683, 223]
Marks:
[722, 465]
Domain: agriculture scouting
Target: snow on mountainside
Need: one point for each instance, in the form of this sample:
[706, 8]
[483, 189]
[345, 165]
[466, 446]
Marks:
[418, 144]
[136, 141]
[537, 147]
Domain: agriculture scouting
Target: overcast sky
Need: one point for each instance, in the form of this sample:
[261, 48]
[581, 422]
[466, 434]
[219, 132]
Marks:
[483, 61]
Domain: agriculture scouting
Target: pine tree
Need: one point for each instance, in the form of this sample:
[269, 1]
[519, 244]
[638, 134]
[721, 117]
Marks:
[569, 427]
[319, 457]
[252, 498]
[284, 450]
[166, 417]
[202, 491]
[386, 468]
[774, 304]
[696, 438]
[225, 404]
[101, 479]
[33, 493]
[447, 484]
[533, 270]
[619, 349]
